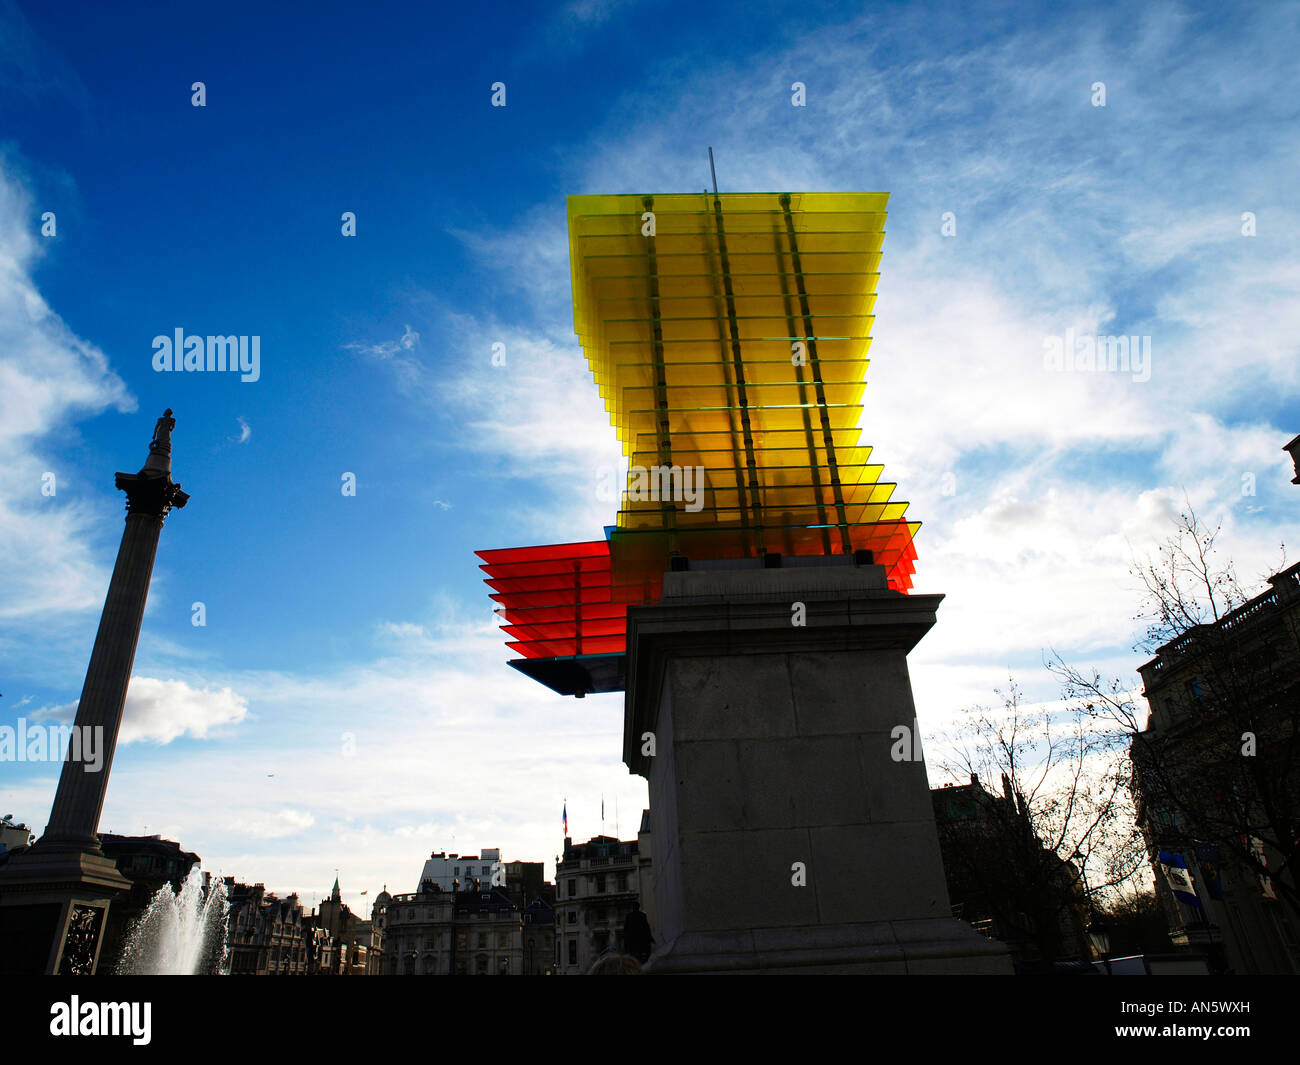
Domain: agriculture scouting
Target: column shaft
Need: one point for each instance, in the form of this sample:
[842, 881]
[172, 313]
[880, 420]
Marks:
[79, 800]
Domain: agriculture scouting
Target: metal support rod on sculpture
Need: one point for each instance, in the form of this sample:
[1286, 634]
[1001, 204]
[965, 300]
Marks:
[663, 425]
[810, 336]
[742, 398]
[151, 493]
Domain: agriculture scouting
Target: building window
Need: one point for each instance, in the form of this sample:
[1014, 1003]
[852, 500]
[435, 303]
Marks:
[573, 917]
[482, 961]
[482, 940]
[622, 881]
[573, 952]
[503, 941]
[462, 941]
[573, 886]
[600, 884]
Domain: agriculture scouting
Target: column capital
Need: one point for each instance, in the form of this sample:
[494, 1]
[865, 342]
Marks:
[149, 493]
[152, 491]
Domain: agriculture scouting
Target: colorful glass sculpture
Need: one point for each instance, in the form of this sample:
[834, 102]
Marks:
[728, 336]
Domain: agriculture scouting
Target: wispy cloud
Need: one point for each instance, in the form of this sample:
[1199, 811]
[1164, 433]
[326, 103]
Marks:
[49, 378]
[408, 368]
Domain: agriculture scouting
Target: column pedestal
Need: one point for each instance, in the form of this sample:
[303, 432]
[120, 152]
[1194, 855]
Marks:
[786, 837]
[53, 910]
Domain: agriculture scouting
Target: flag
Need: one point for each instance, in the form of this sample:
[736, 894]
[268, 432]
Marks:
[566, 817]
[1265, 881]
[1180, 880]
[1207, 857]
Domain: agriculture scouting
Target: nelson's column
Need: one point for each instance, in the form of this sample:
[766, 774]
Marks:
[54, 897]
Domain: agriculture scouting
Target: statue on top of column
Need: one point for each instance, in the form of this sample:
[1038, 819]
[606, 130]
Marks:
[162, 433]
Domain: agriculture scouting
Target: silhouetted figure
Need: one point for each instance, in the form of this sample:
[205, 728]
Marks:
[637, 939]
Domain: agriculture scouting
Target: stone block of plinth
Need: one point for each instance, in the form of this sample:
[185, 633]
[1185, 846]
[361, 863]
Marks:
[53, 911]
[787, 838]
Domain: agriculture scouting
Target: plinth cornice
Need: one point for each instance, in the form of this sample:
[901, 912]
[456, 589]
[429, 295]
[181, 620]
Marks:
[760, 621]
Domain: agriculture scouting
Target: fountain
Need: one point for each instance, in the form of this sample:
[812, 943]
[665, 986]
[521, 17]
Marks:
[180, 933]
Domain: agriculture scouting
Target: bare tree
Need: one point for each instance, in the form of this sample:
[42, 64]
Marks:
[1061, 832]
[1217, 762]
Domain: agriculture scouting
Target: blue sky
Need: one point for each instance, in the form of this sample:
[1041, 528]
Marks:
[330, 616]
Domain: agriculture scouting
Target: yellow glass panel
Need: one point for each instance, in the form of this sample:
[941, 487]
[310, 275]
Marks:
[731, 334]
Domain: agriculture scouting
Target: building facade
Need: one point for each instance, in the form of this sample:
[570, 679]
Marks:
[539, 938]
[526, 881]
[14, 836]
[443, 933]
[267, 936]
[645, 870]
[597, 883]
[1003, 881]
[1218, 782]
[354, 947]
[460, 872]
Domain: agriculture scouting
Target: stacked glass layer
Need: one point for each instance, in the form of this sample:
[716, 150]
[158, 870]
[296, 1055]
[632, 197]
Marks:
[728, 336]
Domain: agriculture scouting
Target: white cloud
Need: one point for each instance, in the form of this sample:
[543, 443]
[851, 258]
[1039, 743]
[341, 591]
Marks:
[48, 377]
[160, 711]
[279, 824]
[384, 761]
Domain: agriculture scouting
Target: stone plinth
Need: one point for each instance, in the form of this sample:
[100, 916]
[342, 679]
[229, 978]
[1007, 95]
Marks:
[53, 909]
[773, 754]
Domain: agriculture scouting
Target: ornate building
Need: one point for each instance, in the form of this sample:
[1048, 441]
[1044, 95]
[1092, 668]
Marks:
[1003, 881]
[596, 885]
[354, 946]
[465, 933]
[1218, 774]
[268, 936]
